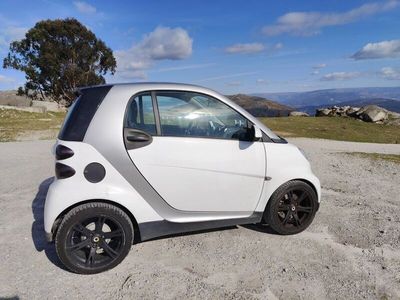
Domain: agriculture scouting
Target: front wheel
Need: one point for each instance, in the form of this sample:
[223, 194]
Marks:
[291, 208]
[94, 237]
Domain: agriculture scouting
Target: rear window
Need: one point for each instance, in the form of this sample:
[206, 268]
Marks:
[81, 113]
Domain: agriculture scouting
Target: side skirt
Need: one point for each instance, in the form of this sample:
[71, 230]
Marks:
[150, 230]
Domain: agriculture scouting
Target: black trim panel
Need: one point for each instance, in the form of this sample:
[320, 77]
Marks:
[150, 230]
[81, 113]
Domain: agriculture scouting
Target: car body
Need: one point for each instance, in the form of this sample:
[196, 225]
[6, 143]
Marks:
[172, 157]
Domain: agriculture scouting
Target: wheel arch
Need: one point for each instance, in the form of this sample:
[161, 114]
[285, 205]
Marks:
[311, 185]
[57, 221]
[295, 179]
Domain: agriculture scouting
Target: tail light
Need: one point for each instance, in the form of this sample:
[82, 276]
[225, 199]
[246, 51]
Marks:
[64, 171]
[63, 152]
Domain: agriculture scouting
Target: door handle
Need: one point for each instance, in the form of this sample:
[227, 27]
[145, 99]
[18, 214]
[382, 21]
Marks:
[135, 138]
[138, 137]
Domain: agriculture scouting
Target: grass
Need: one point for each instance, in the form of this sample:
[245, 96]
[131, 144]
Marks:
[15, 123]
[334, 128]
[377, 156]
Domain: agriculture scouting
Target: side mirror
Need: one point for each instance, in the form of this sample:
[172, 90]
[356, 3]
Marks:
[249, 133]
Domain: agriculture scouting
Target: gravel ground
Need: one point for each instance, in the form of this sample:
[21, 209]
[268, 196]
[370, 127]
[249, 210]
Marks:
[351, 251]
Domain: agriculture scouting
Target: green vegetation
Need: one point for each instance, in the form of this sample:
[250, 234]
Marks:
[15, 124]
[377, 156]
[342, 129]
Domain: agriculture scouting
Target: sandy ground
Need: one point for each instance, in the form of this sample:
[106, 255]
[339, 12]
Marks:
[351, 251]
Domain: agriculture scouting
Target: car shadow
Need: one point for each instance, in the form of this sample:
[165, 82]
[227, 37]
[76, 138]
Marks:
[38, 235]
[260, 227]
[196, 232]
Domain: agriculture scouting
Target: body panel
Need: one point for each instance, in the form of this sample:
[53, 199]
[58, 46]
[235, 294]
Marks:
[203, 174]
[64, 193]
[285, 162]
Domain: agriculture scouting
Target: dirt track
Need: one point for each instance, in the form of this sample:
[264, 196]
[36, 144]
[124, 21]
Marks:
[352, 250]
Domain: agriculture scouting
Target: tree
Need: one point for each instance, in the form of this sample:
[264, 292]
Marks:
[59, 56]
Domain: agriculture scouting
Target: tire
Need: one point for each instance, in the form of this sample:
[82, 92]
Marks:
[284, 214]
[94, 237]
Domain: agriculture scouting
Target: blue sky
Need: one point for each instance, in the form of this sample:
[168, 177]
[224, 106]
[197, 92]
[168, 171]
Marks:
[231, 46]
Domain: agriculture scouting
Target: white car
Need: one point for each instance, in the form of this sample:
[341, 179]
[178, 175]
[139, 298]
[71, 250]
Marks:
[143, 160]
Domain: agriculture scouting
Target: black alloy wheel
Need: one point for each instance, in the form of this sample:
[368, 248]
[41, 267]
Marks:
[291, 208]
[94, 237]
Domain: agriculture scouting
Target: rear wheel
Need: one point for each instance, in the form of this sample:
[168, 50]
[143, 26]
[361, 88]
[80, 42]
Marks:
[291, 208]
[94, 237]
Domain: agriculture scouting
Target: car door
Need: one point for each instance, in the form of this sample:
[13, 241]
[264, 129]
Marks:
[193, 156]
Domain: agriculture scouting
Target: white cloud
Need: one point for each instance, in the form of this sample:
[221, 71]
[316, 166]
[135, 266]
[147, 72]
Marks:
[311, 23]
[319, 66]
[384, 49]
[251, 48]
[84, 7]
[11, 33]
[245, 48]
[227, 76]
[261, 81]
[390, 73]
[340, 76]
[163, 43]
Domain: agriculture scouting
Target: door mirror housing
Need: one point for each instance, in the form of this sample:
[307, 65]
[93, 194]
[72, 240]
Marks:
[250, 133]
[257, 133]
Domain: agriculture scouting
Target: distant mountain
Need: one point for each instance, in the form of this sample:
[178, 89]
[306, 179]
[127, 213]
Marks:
[333, 96]
[389, 104]
[260, 107]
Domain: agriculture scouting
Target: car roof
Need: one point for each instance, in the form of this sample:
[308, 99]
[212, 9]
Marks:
[148, 84]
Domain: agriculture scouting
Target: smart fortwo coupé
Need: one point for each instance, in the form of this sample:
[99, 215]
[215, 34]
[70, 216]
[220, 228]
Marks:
[139, 161]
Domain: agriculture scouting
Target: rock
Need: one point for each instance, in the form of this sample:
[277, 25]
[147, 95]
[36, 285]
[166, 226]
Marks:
[352, 110]
[298, 114]
[323, 112]
[372, 113]
[393, 115]
[369, 113]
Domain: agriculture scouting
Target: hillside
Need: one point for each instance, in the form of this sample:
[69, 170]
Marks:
[260, 107]
[10, 98]
[334, 96]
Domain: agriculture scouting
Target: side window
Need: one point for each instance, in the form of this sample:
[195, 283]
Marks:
[197, 115]
[141, 114]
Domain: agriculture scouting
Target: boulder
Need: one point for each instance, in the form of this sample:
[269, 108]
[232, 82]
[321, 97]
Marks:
[352, 111]
[393, 115]
[298, 114]
[372, 113]
[323, 112]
